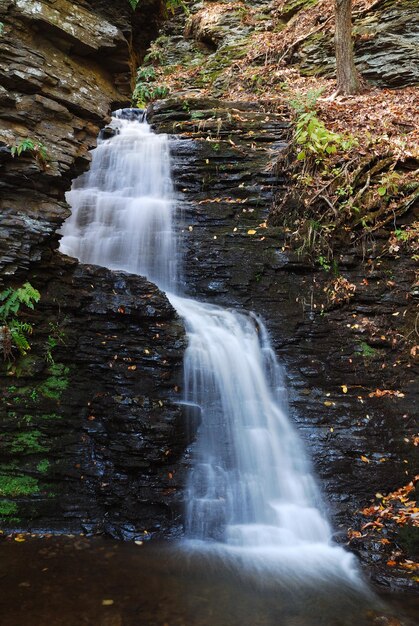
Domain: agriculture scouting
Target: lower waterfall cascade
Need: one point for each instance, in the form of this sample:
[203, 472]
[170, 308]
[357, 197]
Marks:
[251, 497]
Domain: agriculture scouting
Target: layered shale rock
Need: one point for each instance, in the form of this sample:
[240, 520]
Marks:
[386, 46]
[336, 354]
[63, 67]
[91, 433]
[92, 429]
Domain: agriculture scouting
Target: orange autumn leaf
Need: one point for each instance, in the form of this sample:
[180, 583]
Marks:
[380, 393]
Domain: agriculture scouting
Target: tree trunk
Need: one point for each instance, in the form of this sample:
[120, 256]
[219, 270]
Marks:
[346, 73]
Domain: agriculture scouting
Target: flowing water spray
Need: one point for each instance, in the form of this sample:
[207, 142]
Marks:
[251, 497]
[122, 208]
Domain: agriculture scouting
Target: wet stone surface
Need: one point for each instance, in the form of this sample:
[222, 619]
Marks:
[94, 430]
[335, 355]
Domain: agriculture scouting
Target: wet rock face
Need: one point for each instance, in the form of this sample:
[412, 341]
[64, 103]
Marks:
[361, 444]
[91, 417]
[63, 67]
[91, 428]
[386, 46]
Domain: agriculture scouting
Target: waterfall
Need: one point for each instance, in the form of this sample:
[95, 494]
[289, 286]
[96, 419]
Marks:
[251, 495]
[122, 207]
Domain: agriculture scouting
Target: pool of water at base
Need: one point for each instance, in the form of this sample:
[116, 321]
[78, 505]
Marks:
[62, 581]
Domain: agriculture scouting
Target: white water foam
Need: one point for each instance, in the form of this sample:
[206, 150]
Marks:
[251, 495]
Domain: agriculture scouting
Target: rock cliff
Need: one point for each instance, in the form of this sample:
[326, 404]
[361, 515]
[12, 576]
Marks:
[337, 355]
[90, 430]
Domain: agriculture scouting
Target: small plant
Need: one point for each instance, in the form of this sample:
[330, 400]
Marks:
[407, 238]
[366, 350]
[389, 184]
[311, 136]
[197, 115]
[55, 338]
[35, 148]
[172, 5]
[13, 332]
[324, 263]
[146, 90]
[146, 74]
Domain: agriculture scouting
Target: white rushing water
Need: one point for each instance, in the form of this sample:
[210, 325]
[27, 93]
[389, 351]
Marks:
[251, 495]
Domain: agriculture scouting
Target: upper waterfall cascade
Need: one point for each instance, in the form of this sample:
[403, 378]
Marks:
[251, 493]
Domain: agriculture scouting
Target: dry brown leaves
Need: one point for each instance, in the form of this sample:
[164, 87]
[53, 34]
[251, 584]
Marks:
[398, 508]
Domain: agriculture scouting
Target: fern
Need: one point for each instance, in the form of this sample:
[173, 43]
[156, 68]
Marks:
[13, 298]
[18, 332]
[15, 332]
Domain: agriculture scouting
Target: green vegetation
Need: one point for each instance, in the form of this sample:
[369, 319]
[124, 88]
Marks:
[15, 332]
[56, 383]
[27, 443]
[313, 139]
[35, 148]
[55, 338]
[43, 466]
[366, 350]
[18, 486]
[8, 510]
[169, 6]
[146, 89]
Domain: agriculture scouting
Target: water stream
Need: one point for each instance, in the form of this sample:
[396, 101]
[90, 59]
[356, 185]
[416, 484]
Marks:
[252, 502]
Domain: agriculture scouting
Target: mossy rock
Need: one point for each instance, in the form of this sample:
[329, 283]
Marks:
[293, 6]
[8, 511]
[15, 486]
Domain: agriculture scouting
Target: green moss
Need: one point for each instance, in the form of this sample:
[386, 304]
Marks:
[27, 442]
[18, 486]
[56, 383]
[293, 6]
[50, 416]
[366, 350]
[43, 466]
[8, 467]
[7, 508]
